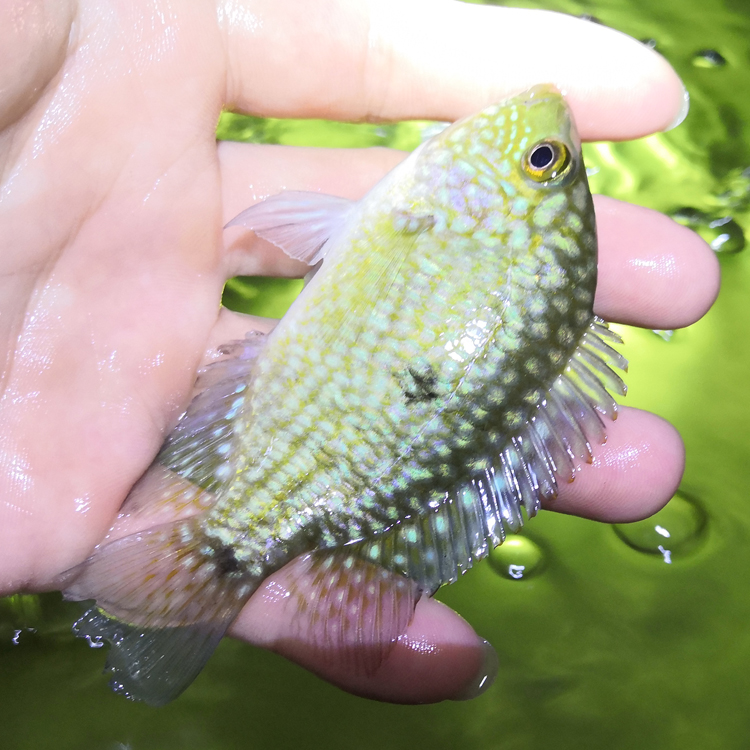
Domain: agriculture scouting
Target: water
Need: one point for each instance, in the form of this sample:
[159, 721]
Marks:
[605, 641]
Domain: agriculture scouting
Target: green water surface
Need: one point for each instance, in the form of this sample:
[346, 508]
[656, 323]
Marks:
[629, 637]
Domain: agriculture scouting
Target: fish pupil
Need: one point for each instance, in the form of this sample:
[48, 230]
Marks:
[542, 156]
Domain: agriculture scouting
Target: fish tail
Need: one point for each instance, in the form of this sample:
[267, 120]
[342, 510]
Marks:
[164, 599]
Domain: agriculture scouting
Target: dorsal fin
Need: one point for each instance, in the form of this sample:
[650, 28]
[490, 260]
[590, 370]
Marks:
[475, 516]
[198, 456]
[202, 448]
[298, 222]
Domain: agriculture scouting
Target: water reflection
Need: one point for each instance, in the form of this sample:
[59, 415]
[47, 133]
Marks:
[674, 532]
[519, 557]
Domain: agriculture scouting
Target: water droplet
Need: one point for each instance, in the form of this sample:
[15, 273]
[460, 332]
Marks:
[650, 43]
[518, 557]
[664, 334]
[674, 531]
[724, 235]
[708, 58]
[21, 635]
[690, 217]
[589, 17]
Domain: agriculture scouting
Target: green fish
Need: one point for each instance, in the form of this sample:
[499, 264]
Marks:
[441, 371]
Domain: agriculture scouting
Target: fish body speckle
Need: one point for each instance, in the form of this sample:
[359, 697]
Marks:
[425, 280]
[441, 370]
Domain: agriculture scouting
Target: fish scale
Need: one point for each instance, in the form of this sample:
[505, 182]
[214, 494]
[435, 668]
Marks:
[411, 292]
[438, 375]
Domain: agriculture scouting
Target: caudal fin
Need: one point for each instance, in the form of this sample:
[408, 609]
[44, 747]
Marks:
[164, 599]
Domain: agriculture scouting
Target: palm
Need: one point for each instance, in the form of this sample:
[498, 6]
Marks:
[112, 200]
[117, 302]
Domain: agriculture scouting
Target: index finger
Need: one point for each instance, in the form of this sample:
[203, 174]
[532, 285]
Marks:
[439, 59]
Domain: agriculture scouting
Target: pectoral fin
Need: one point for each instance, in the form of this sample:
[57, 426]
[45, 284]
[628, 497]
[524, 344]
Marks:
[298, 222]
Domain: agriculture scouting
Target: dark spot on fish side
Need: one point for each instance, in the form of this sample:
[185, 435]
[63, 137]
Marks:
[423, 385]
[226, 561]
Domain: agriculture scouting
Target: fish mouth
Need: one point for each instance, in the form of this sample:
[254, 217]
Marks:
[560, 117]
[542, 92]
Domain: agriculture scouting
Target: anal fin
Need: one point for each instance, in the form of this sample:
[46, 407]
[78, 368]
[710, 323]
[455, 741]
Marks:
[347, 612]
[437, 547]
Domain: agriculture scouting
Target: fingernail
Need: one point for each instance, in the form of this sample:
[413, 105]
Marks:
[484, 677]
[683, 110]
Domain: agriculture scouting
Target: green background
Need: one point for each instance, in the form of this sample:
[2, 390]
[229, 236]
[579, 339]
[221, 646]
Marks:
[611, 638]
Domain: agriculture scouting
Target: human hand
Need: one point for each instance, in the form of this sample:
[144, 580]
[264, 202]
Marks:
[112, 200]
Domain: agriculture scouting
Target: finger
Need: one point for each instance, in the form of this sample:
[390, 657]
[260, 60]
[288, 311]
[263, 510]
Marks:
[397, 59]
[632, 476]
[440, 657]
[653, 272]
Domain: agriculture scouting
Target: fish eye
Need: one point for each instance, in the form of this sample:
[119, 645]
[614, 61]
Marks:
[547, 160]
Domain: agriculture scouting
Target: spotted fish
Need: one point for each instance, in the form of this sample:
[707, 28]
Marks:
[437, 377]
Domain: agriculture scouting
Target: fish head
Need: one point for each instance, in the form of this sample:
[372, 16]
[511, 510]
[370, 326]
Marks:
[544, 145]
[544, 110]
[505, 222]
[505, 161]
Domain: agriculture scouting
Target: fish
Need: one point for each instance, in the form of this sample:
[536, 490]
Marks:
[441, 372]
